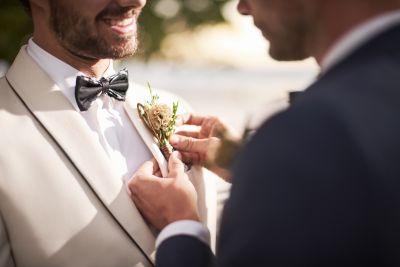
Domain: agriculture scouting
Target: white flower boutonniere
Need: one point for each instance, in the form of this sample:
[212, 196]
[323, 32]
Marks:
[160, 119]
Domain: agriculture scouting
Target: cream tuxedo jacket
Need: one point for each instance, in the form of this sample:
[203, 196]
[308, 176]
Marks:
[61, 203]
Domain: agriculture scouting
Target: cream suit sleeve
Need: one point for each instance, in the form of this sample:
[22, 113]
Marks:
[6, 259]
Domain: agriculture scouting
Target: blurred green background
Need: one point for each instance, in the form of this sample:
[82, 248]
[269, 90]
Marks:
[15, 28]
[159, 18]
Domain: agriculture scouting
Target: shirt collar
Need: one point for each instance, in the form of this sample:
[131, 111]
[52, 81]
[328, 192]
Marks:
[60, 72]
[357, 37]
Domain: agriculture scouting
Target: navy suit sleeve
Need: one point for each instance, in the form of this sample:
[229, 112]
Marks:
[300, 195]
[183, 251]
[298, 198]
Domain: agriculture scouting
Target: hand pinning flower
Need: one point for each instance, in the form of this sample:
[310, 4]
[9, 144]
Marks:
[160, 119]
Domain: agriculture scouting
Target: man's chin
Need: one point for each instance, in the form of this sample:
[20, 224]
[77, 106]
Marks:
[287, 55]
[122, 47]
[122, 51]
[115, 50]
[123, 55]
[110, 53]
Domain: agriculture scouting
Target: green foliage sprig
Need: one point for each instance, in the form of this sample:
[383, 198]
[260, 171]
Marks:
[160, 120]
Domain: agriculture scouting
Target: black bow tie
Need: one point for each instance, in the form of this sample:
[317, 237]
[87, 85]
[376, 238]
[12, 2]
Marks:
[88, 89]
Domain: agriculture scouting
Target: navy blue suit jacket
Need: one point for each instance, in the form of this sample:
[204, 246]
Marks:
[319, 184]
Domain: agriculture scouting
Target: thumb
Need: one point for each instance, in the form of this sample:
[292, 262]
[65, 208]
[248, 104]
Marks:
[175, 165]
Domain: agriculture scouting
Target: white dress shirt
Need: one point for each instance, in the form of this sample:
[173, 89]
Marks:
[106, 117]
[339, 51]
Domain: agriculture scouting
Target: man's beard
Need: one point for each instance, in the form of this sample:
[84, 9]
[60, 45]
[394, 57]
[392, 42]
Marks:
[290, 46]
[291, 38]
[80, 37]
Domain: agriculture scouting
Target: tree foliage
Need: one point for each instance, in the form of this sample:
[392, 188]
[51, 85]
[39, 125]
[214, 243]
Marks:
[159, 18]
[15, 28]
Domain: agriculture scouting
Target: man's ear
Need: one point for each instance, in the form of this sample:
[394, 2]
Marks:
[43, 4]
[39, 8]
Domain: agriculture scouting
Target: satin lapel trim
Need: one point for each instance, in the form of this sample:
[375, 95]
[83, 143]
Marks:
[130, 105]
[74, 137]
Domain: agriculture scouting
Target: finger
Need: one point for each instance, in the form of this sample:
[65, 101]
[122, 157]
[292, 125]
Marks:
[143, 185]
[146, 168]
[191, 158]
[191, 119]
[136, 200]
[194, 134]
[158, 173]
[175, 165]
[189, 144]
[182, 119]
[144, 173]
[210, 126]
[156, 167]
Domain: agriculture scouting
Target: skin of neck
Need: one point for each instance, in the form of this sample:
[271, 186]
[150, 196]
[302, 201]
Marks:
[336, 19]
[46, 39]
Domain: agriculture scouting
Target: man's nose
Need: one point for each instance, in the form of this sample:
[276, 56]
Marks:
[131, 3]
[243, 7]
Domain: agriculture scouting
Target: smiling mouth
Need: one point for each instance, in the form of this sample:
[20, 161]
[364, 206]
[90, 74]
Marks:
[124, 25]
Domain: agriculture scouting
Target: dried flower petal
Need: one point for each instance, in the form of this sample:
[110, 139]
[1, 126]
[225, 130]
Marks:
[160, 116]
[160, 119]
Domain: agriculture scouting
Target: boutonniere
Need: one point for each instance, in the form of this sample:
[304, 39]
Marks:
[160, 119]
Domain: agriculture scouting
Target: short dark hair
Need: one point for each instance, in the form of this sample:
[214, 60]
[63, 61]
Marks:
[26, 4]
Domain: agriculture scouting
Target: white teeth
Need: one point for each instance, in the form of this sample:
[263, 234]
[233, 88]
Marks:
[120, 23]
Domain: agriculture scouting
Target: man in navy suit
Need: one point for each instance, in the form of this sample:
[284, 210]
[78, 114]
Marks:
[318, 184]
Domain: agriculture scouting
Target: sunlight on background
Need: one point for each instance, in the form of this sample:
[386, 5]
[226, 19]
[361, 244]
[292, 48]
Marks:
[220, 69]
[224, 70]
[237, 43]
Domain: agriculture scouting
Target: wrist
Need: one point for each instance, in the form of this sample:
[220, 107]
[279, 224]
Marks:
[187, 216]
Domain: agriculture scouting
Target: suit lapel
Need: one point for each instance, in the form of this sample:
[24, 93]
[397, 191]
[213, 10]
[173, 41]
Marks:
[72, 134]
[135, 96]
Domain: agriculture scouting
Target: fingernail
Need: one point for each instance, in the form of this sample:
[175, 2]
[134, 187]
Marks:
[177, 154]
[174, 140]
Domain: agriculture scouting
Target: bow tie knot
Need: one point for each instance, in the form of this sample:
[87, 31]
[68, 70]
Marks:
[105, 84]
[88, 90]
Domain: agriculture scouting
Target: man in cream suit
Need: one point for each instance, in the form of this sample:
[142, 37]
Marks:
[63, 201]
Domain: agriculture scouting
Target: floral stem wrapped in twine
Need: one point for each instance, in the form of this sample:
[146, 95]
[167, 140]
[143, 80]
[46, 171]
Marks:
[160, 119]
